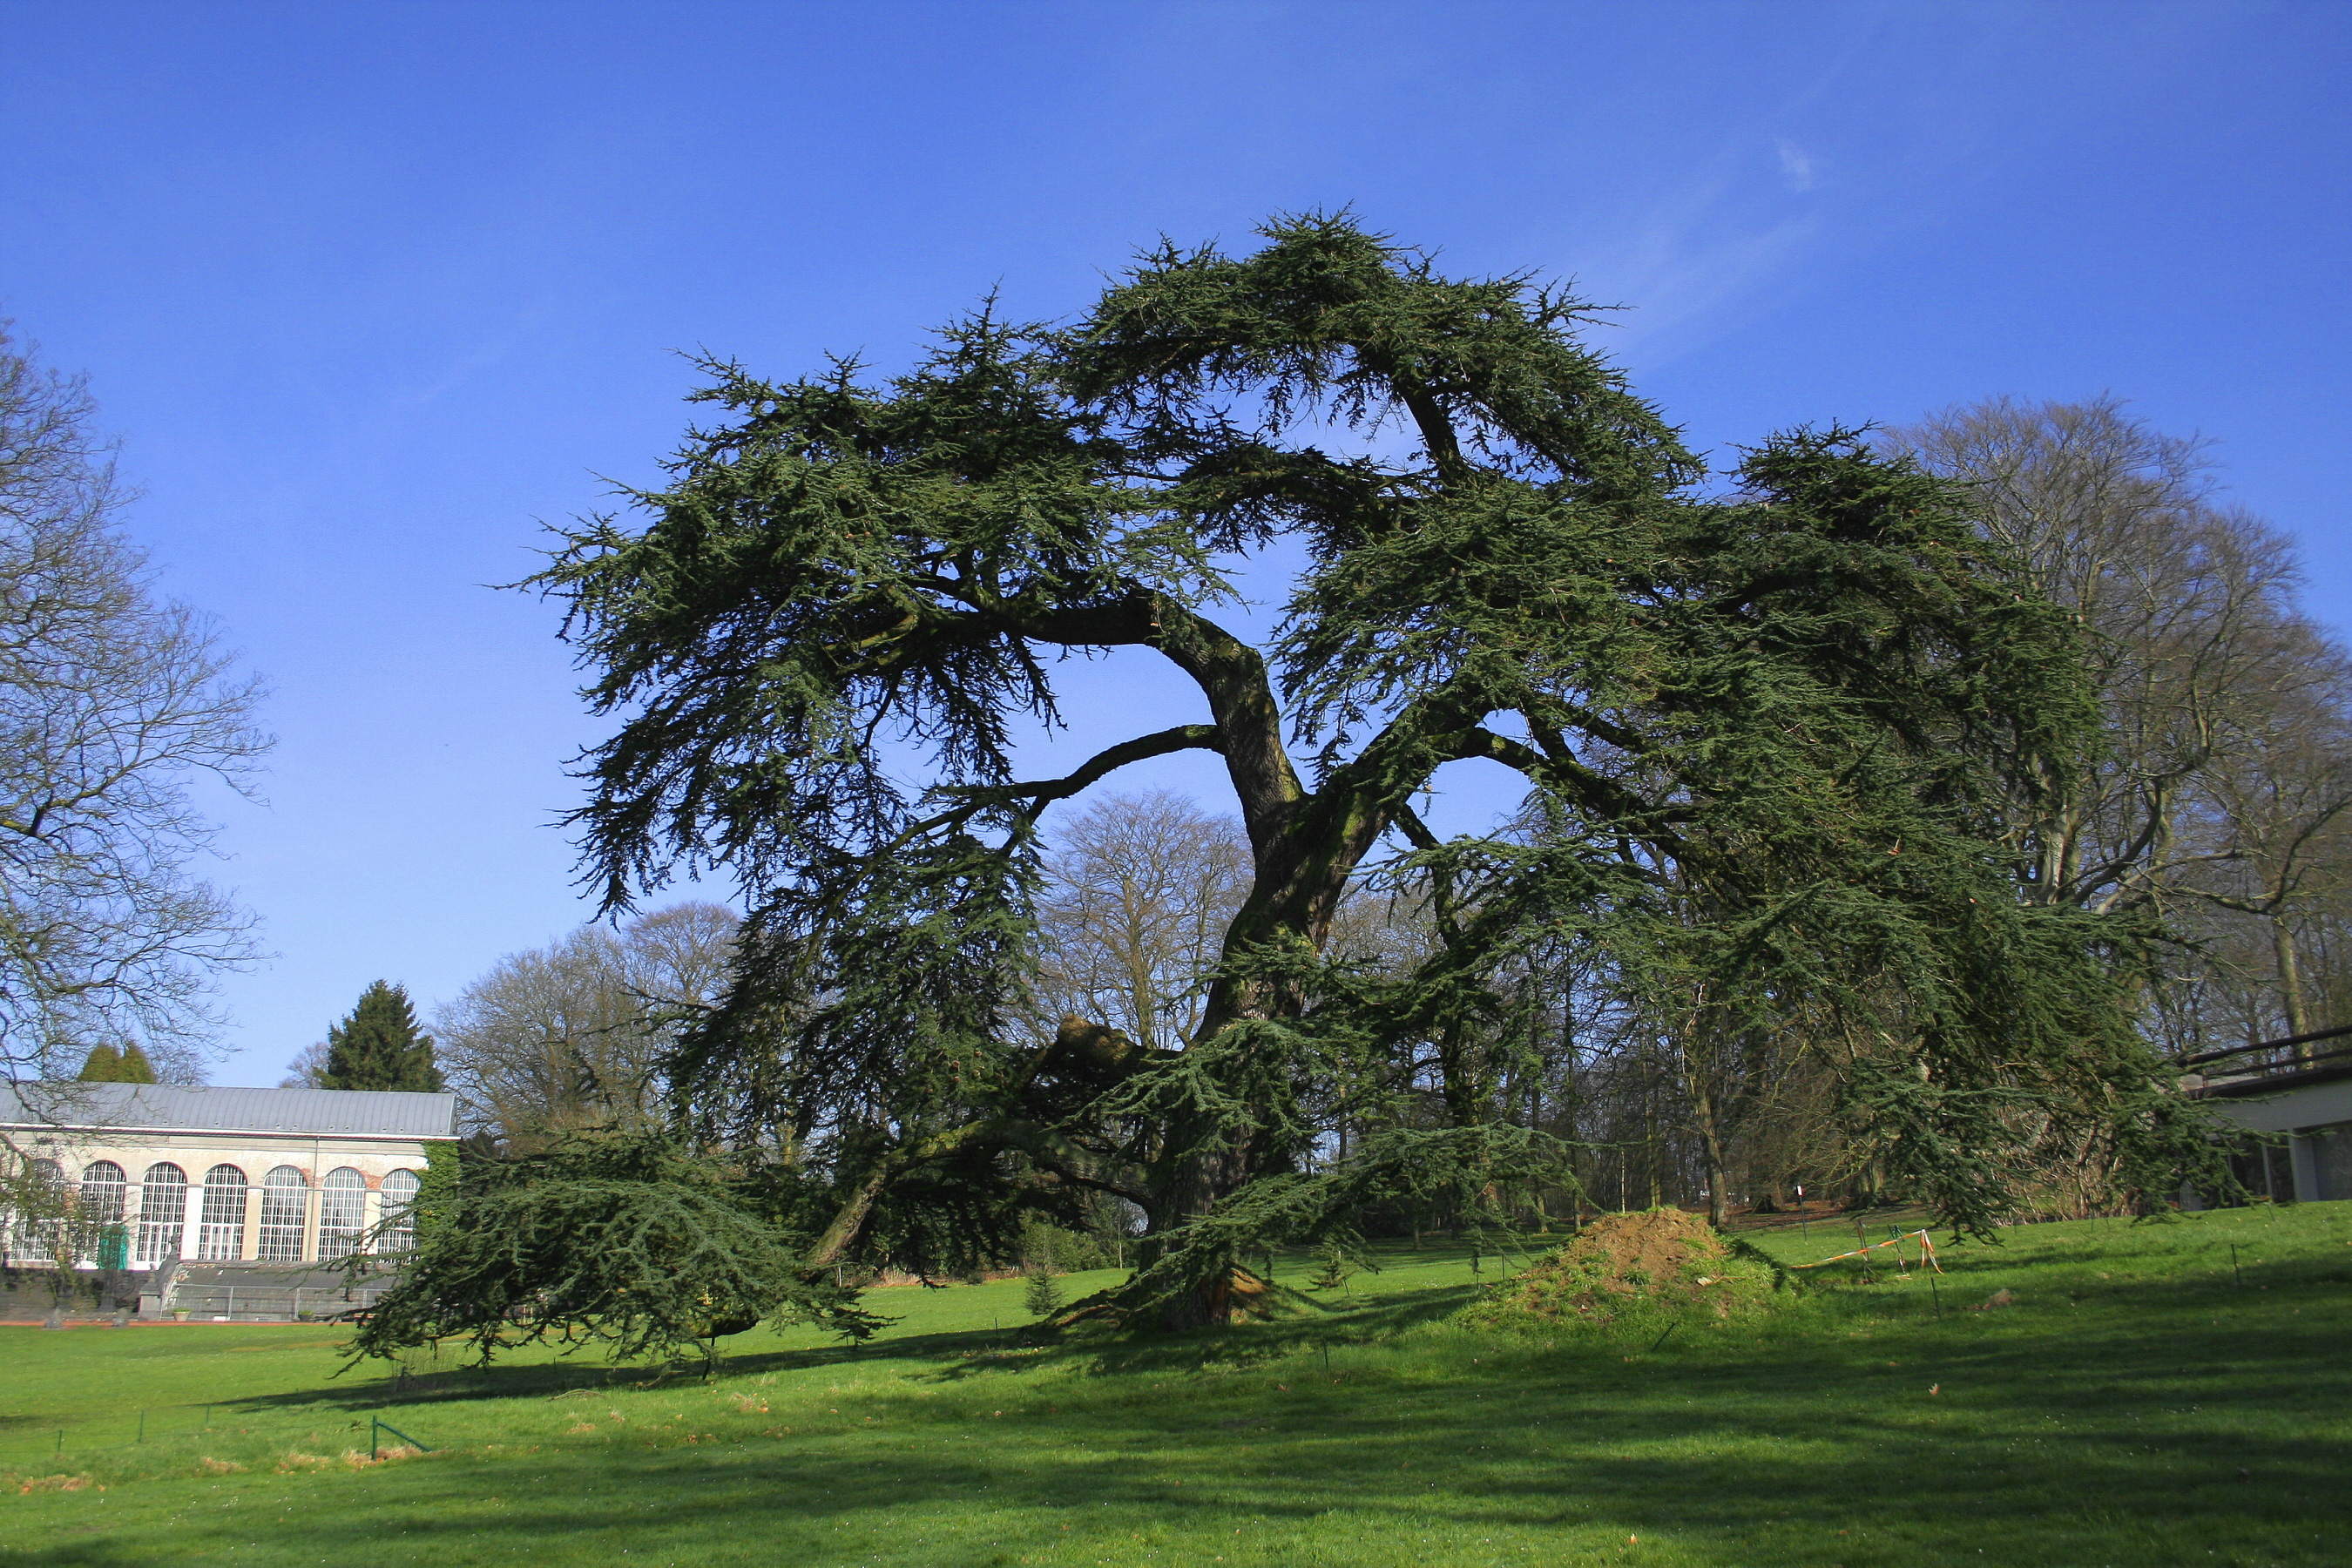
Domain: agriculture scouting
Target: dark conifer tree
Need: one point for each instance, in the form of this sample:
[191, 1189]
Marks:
[379, 1046]
[134, 1066]
[1768, 722]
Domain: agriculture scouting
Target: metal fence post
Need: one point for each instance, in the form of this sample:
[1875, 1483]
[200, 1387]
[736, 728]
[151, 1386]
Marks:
[376, 1424]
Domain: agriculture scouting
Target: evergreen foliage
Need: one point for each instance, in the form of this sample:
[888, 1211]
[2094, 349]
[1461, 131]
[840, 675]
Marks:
[105, 1064]
[630, 1242]
[380, 1046]
[1773, 725]
[1042, 1297]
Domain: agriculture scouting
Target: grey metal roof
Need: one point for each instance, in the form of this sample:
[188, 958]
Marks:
[310, 1113]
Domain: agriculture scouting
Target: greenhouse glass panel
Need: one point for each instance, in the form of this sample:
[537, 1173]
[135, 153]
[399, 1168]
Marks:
[343, 1213]
[220, 1226]
[105, 1201]
[399, 1233]
[162, 1215]
[285, 1195]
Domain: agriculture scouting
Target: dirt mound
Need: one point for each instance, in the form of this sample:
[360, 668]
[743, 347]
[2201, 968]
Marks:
[1629, 1270]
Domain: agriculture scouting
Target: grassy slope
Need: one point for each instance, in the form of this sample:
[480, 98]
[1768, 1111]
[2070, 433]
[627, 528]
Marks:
[2138, 1406]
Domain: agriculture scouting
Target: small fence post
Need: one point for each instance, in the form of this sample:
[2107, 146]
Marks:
[377, 1424]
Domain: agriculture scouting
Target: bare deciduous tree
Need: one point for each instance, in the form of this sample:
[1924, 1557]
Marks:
[112, 702]
[573, 1034]
[2219, 806]
[1141, 890]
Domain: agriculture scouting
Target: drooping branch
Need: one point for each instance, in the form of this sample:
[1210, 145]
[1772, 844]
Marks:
[1103, 764]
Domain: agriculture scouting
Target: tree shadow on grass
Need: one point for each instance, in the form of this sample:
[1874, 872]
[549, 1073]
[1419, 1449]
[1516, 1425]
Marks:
[80, 1554]
[951, 1356]
[1719, 1450]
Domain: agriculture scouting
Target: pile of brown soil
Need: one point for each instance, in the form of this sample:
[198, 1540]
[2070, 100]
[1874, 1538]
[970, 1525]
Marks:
[1631, 1269]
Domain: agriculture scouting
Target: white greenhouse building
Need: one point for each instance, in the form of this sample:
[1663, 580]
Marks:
[222, 1176]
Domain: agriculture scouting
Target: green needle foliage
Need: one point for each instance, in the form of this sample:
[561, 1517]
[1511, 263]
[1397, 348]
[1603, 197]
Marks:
[1773, 726]
[622, 1242]
[379, 1046]
[105, 1064]
[1042, 1297]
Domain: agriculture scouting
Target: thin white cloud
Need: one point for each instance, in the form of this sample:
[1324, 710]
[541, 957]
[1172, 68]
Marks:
[1795, 166]
[1698, 262]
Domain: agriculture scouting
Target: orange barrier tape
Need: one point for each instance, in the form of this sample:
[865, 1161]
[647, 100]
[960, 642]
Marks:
[1927, 1251]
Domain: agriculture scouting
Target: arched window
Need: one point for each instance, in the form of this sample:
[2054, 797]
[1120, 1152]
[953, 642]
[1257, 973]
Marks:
[285, 1193]
[343, 1213]
[163, 1214]
[105, 1193]
[399, 1232]
[103, 1189]
[35, 1229]
[220, 1228]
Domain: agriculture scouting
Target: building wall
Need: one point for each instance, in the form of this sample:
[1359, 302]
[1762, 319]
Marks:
[255, 1153]
[2318, 1120]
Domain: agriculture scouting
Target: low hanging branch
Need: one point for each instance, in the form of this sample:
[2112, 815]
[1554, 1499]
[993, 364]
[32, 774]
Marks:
[626, 1243]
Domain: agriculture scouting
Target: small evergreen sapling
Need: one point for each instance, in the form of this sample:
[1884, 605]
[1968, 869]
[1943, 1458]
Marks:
[1336, 1268]
[1044, 1297]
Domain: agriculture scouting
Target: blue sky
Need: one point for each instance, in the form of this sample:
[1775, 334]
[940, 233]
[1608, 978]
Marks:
[368, 290]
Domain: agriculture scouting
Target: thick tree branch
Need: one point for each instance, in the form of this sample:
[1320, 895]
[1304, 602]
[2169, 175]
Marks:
[849, 1219]
[1229, 672]
[1437, 434]
[1231, 676]
[1040, 795]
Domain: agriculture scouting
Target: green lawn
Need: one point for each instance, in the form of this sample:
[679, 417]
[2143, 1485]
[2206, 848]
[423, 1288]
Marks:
[2141, 1402]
